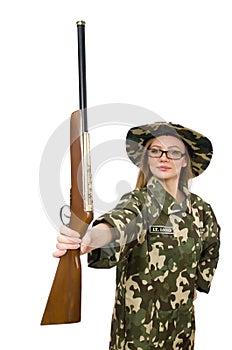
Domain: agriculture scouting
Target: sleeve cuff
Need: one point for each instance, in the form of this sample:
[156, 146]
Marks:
[203, 290]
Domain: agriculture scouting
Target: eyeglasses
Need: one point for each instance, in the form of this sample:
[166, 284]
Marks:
[170, 154]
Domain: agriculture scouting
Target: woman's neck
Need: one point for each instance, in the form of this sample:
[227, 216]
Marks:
[172, 188]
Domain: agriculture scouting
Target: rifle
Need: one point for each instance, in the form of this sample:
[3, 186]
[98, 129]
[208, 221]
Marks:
[64, 301]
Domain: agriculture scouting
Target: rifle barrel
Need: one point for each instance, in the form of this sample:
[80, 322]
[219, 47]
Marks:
[82, 73]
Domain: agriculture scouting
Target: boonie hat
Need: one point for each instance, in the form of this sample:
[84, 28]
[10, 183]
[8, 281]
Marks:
[199, 147]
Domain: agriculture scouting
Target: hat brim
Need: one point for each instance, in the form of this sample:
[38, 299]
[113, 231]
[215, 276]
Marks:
[199, 146]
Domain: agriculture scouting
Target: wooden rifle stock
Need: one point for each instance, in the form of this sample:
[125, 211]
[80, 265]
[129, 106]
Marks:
[64, 301]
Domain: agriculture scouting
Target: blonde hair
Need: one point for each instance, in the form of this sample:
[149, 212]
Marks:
[145, 173]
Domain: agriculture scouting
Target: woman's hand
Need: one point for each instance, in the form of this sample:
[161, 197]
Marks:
[95, 237]
[69, 239]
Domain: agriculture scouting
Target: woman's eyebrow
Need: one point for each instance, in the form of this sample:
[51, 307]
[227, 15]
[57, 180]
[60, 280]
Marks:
[158, 146]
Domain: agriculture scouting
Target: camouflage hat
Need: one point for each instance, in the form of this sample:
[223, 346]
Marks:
[199, 147]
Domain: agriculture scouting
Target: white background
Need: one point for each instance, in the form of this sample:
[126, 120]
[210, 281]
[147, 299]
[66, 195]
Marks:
[172, 57]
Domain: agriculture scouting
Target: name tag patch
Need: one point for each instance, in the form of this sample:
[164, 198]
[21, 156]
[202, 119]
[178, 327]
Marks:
[161, 229]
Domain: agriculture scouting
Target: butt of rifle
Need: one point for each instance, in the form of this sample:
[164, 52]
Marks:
[64, 301]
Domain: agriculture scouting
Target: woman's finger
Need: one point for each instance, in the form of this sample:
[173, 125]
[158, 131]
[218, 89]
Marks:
[67, 246]
[59, 253]
[68, 239]
[64, 230]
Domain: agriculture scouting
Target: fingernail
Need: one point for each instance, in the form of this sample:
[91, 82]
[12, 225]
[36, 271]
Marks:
[83, 249]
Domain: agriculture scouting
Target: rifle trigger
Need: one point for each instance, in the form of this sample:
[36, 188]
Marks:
[64, 215]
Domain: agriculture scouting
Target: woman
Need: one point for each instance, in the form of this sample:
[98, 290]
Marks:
[163, 239]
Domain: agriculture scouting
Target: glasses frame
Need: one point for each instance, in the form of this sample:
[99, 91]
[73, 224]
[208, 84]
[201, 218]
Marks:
[166, 153]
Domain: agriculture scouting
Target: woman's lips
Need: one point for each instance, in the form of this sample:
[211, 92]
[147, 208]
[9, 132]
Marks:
[164, 168]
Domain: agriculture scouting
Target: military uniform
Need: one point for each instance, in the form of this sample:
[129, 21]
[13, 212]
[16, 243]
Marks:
[162, 250]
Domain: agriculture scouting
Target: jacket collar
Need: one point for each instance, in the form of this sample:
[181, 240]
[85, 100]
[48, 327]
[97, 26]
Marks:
[166, 202]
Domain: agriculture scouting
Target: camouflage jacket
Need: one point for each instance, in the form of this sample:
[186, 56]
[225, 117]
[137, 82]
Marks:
[162, 250]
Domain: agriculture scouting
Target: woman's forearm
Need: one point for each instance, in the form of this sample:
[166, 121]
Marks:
[100, 235]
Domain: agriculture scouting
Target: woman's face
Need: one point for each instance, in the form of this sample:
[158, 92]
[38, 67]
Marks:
[164, 168]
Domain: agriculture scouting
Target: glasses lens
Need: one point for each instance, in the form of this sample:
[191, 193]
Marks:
[173, 154]
[154, 153]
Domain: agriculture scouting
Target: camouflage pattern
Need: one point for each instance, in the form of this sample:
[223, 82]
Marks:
[162, 250]
[199, 147]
